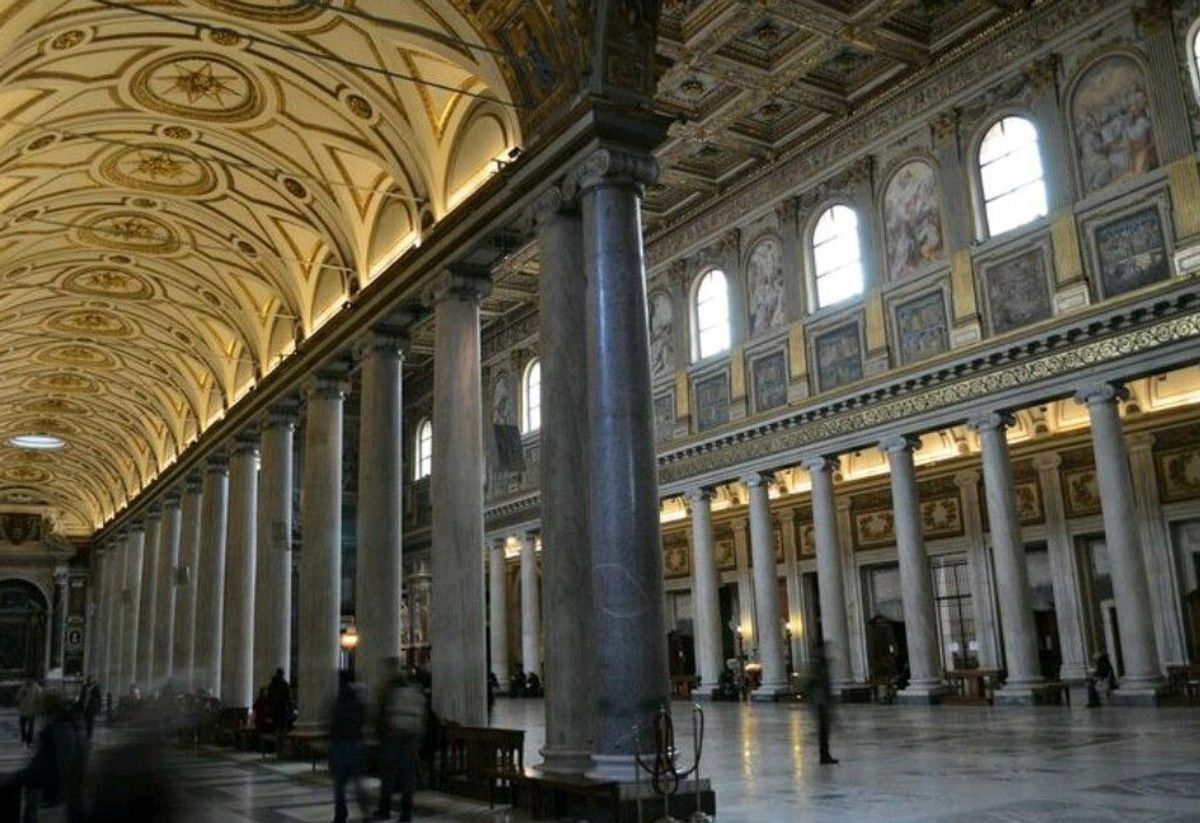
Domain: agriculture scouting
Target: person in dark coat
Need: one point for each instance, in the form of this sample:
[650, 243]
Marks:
[347, 755]
[279, 697]
[55, 775]
[820, 696]
[89, 705]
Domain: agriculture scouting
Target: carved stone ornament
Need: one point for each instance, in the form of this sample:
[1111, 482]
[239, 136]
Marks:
[617, 167]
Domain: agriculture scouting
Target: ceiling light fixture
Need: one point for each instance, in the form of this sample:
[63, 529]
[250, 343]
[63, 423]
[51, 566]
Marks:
[41, 442]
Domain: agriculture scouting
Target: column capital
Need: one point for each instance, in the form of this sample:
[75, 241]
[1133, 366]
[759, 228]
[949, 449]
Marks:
[614, 166]
[1047, 461]
[899, 443]
[192, 484]
[1101, 393]
[382, 340]
[461, 282]
[279, 415]
[967, 479]
[154, 511]
[821, 463]
[754, 479]
[172, 499]
[558, 198]
[244, 443]
[787, 516]
[330, 385]
[217, 463]
[1142, 441]
[699, 494]
[990, 420]
[136, 527]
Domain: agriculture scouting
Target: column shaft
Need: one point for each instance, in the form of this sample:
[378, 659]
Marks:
[706, 602]
[831, 586]
[498, 614]
[566, 546]
[1008, 557]
[1130, 589]
[458, 653]
[183, 655]
[164, 599]
[147, 612]
[321, 553]
[380, 480]
[237, 627]
[766, 590]
[133, 603]
[630, 681]
[273, 569]
[920, 624]
[1068, 613]
[114, 611]
[531, 646]
[210, 577]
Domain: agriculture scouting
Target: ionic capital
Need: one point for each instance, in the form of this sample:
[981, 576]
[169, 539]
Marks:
[382, 341]
[329, 385]
[967, 479]
[171, 500]
[154, 512]
[279, 415]
[217, 463]
[754, 480]
[1047, 461]
[821, 463]
[991, 421]
[898, 443]
[244, 444]
[461, 282]
[1141, 441]
[1101, 393]
[617, 167]
[698, 496]
[193, 483]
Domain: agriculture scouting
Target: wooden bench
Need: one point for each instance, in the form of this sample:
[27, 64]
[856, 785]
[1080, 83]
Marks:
[554, 796]
[478, 762]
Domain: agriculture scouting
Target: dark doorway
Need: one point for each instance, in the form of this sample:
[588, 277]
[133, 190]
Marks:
[23, 617]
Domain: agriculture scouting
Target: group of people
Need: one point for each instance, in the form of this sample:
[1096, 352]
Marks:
[273, 709]
[523, 684]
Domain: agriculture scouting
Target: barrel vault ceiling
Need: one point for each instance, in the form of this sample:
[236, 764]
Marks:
[187, 188]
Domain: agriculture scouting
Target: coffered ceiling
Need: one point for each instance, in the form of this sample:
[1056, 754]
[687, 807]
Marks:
[188, 188]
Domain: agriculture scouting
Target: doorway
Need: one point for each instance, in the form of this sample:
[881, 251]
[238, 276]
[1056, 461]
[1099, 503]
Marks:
[23, 621]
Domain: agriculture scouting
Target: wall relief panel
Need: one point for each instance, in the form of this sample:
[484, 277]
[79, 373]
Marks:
[1114, 131]
[664, 416]
[770, 379]
[912, 217]
[662, 329]
[712, 401]
[1179, 473]
[839, 356]
[1017, 291]
[764, 280]
[921, 327]
[1131, 252]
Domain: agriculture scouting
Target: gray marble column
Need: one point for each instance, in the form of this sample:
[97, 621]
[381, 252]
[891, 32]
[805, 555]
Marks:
[378, 580]
[134, 554]
[210, 576]
[766, 590]
[920, 620]
[979, 570]
[566, 546]
[104, 628]
[320, 551]
[498, 612]
[237, 626]
[114, 612]
[183, 655]
[458, 650]
[797, 625]
[1008, 559]
[1139, 651]
[164, 581]
[631, 677]
[531, 641]
[706, 601]
[146, 602]
[831, 586]
[273, 569]
[1068, 609]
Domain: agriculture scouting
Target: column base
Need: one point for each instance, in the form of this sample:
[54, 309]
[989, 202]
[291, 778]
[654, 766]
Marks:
[924, 694]
[632, 801]
[1036, 693]
[565, 761]
[771, 693]
[1145, 691]
[853, 692]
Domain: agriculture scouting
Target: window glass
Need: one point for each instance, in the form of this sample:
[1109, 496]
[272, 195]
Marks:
[712, 314]
[424, 461]
[533, 396]
[837, 256]
[1010, 174]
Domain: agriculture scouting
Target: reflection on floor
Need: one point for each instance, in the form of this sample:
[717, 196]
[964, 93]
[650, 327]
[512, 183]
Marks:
[898, 764]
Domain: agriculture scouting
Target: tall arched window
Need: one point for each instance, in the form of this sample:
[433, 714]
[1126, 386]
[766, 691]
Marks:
[1010, 175]
[423, 465]
[533, 396]
[837, 256]
[712, 314]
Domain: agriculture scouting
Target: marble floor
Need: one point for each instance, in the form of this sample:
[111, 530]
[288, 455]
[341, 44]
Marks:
[942, 764]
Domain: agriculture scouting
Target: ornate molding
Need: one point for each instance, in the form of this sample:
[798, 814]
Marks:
[990, 420]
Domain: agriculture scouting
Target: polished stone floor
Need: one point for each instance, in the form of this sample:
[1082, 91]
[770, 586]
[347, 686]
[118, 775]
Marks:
[942, 764]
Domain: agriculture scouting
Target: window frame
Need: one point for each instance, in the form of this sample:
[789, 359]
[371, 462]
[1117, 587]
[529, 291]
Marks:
[528, 408]
[983, 229]
[421, 457]
[814, 303]
[698, 354]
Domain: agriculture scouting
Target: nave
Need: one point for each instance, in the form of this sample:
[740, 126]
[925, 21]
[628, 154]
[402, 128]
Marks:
[898, 764]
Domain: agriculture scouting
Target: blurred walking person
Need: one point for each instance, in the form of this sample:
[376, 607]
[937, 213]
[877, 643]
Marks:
[347, 757]
[820, 695]
[29, 700]
[401, 722]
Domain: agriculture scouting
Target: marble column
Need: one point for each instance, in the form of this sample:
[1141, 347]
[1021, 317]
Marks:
[103, 627]
[378, 580]
[146, 603]
[1008, 560]
[797, 625]
[320, 551]
[706, 601]
[920, 620]
[183, 654]
[630, 683]
[210, 576]
[164, 581]
[766, 590]
[458, 641]
[134, 554]
[498, 612]
[831, 586]
[1139, 651]
[1064, 574]
[114, 611]
[566, 547]
[273, 569]
[979, 570]
[531, 645]
[237, 626]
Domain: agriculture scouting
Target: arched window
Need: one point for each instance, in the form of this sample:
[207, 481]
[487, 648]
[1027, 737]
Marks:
[837, 256]
[712, 314]
[424, 443]
[533, 396]
[1010, 175]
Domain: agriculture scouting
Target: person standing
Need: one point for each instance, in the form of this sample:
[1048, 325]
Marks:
[279, 697]
[347, 756]
[401, 720]
[820, 695]
[29, 700]
[89, 705]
